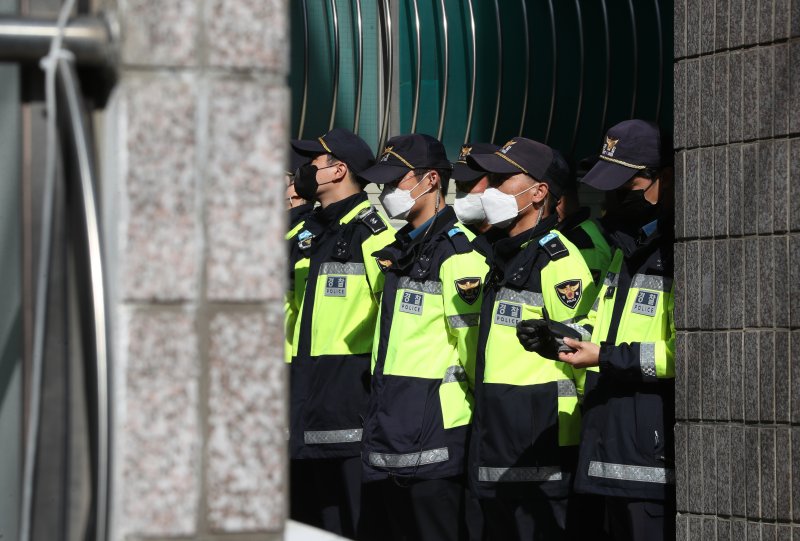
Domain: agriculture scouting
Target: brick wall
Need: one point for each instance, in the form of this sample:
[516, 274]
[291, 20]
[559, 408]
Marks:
[737, 136]
[194, 143]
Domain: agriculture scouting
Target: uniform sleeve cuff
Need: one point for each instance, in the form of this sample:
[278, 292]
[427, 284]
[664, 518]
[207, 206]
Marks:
[606, 349]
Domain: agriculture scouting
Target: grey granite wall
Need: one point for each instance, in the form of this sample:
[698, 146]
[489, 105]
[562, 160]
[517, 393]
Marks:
[737, 134]
[194, 144]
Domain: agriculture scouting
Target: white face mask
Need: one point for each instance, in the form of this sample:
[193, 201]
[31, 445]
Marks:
[398, 203]
[501, 208]
[468, 207]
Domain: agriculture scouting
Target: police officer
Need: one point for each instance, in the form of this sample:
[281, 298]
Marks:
[298, 208]
[340, 284]
[470, 183]
[626, 452]
[527, 421]
[575, 221]
[415, 433]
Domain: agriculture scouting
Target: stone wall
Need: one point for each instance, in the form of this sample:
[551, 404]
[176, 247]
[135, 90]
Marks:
[737, 134]
[194, 144]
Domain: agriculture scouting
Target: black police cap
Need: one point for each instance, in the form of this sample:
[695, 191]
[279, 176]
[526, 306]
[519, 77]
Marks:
[464, 171]
[559, 175]
[341, 143]
[519, 155]
[405, 153]
[630, 147]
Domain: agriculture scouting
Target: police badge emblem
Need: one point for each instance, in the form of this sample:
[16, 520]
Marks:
[610, 146]
[469, 289]
[569, 292]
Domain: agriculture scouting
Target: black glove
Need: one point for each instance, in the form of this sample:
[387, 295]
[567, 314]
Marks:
[535, 336]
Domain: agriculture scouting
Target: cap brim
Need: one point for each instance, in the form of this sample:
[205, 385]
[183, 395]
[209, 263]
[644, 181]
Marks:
[308, 147]
[492, 163]
[464, 173]
[608, 176]
[383, 174]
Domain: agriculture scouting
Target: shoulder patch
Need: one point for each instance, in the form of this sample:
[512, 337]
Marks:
[569, 292]
[469, 289]
[460, 241]
[553, 245]
[372, 220]
[304, 239]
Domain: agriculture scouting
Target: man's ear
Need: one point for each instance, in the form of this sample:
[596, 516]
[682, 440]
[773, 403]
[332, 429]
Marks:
[341, 171]
[540, 192]
[434, 180]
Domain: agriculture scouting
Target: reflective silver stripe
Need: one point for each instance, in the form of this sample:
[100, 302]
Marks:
[612, 280]
[454, 373]
[316, 437]
[519, 475]
[626, 472]
[585, 335]
[433, 287]
[332, 267]
[647, 360]
[596, 305]
[648, 281]
[386, 460]
[566, 388]
[526, 297]
[463, 320]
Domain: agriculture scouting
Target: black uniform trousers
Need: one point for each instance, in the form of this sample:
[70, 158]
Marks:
[639, 520]
[414, 510]
[534, 518]
[327, 494]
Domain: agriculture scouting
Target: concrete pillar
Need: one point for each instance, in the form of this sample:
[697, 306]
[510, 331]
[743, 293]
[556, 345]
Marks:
[737, 122]
[194, 143]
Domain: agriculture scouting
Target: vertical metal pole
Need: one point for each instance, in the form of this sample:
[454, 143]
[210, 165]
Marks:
[660, 60]
[418, 67]
[79, 146]
[360, 67]
[304, 105]
[527, 66]
[554, 86]
[579, 111]
[335, 17]
[388, 70]
[499, 69]
[606, 92]
[471, 105]
[635, 58]
[443, 104]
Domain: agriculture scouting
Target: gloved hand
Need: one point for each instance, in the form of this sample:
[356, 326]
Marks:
[534, 336]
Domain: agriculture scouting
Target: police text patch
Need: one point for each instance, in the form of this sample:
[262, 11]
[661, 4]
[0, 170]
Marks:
[645, 303]
[336, 286]
[411, 303]
[508, 314]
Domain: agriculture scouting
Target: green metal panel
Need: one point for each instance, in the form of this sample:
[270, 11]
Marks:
[320, 69]
[577, 88]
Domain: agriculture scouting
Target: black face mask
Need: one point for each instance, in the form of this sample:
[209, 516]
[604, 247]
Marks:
[632, 209]
[305, 182]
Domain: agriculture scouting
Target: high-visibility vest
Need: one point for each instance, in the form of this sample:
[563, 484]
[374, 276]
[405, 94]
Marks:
[424, 355]
[527, 420]
[337, 288]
